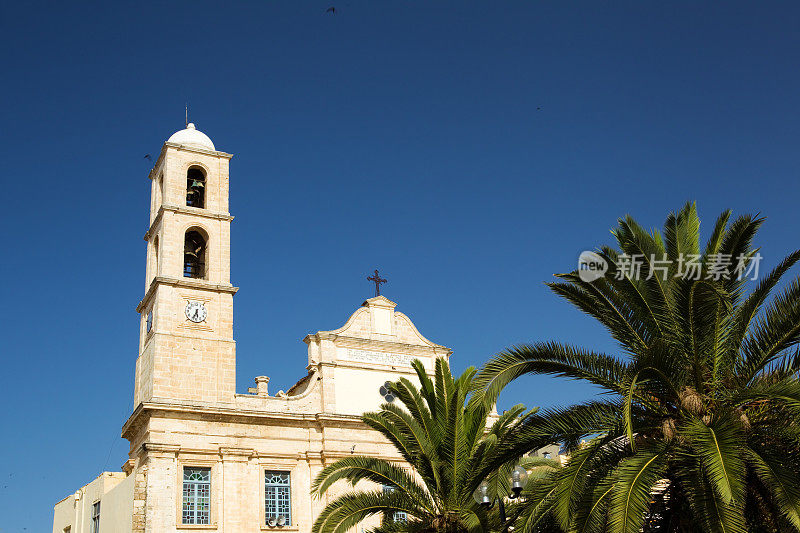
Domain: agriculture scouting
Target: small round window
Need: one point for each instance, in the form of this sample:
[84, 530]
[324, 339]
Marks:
[386, 392]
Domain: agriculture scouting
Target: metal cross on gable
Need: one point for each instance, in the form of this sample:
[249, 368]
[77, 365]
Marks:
[377, 279]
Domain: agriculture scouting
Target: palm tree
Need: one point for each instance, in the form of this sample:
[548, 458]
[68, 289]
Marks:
[442, 434]
[697, 429]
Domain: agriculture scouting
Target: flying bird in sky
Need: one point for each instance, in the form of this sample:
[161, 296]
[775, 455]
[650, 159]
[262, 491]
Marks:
[148, 157]
[331, 10]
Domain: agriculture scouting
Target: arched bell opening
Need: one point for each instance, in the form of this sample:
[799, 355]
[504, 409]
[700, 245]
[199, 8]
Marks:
[195, 187]
[194, 254]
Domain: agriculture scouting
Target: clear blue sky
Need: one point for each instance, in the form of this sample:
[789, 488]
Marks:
[468, 151]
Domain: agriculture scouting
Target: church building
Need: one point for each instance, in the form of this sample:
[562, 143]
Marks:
[202, 455]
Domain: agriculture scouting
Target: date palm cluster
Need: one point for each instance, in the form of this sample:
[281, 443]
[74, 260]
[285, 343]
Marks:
[695, 428]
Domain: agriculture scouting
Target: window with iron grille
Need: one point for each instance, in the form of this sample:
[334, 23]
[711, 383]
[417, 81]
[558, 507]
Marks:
[196, 495]
[94, 525]
[397, 516]
[277, 497]
[149, 321]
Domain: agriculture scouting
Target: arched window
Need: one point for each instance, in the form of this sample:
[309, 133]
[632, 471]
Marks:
[155, 256]
[194, 255]
[195, 188]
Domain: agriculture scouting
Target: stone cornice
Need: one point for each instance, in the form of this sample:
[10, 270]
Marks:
[128, 466]
[152, 174]
[221, 413]
[158, 164]
[187, 283]
[183, 147]
[154, 224]
[379, 301]
[403, 370]
[185, 211]
[389, 346]
[240, 453]
[328, 455]
[230, 451]
[328, 419]
[245, 454]
[158, 447]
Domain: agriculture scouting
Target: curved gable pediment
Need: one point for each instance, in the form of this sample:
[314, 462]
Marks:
[375, 345]
[377, 320]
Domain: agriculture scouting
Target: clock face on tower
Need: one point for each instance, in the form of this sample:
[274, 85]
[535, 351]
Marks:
[196, 311]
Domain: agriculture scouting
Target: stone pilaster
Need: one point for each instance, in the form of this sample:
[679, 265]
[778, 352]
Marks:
[161, 501]
[139, 497]
[240, 508]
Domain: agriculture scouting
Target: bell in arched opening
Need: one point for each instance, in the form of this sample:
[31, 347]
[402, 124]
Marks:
[195, 188]
[194, 255]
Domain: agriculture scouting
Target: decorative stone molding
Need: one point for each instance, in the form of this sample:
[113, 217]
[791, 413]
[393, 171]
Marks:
[331, 419]
[154, 225]
[312, 378]
[189, 283]
[185, 148]
[314, 457]
[196, 211]
[231, 414]
[158, 448]
[262, 384]
[129, 466]
[234, 453]
[180, 147]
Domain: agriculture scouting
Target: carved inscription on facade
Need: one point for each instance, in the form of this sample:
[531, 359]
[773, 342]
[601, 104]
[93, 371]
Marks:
[377, 358]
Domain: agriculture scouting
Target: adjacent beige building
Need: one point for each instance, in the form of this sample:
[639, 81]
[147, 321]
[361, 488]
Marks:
[202, 456]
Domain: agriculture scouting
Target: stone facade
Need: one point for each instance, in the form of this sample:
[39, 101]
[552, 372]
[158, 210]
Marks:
[187, 414]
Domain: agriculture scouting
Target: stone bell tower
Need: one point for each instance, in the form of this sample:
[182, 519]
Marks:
[186, 349]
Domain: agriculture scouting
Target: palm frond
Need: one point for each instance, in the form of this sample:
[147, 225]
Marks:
[682, 233]
[630, 497]
[599, 300]
[779, 473]
[575, 482]
[347, 511]
[540, 499]
[549, 358]
[708, 512]
[719, 447]
[778, 329]
[358, 468]
[718, 234]
[747, 311]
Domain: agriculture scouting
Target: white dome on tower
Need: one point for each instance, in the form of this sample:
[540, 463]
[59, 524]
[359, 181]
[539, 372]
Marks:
[192, 138]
